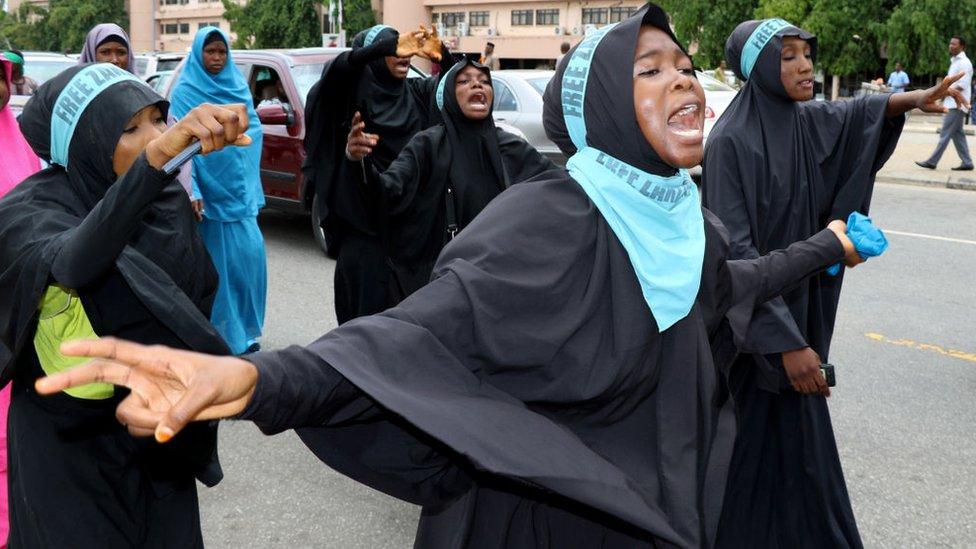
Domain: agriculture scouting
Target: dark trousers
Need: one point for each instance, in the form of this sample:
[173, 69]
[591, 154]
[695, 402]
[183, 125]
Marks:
[952, 128]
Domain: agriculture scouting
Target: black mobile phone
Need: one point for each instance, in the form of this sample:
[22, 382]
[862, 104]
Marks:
[183, 157]
[828, 372]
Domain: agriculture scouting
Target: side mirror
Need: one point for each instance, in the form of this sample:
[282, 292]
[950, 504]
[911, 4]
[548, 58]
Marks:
[280, 114]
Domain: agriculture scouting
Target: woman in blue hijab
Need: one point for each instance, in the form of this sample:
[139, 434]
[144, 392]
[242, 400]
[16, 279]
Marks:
[227, 193]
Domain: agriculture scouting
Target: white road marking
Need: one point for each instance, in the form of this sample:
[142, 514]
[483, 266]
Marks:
[931, 237]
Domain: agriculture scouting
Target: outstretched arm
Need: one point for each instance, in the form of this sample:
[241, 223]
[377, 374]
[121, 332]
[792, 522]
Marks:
[929, 100]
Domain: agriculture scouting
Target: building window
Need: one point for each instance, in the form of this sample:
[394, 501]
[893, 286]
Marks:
[211, 24]
[169, 28]
[618, 14]
[173, 2]
[594, 16]
[546, 17]
[184, 28]
[450, 19]
[521, 18]
[478, 18]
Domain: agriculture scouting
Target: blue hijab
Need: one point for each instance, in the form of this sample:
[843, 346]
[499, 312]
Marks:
[229, 181]
[652, 208]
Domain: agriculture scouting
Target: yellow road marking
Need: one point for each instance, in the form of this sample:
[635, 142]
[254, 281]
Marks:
[954, 353]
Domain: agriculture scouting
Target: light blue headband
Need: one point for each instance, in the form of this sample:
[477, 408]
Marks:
[757, 41]
[373, 32]
[74, 99]
[575, 75]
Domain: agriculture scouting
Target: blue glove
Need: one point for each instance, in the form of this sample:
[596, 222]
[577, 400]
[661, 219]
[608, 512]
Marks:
[868, 240]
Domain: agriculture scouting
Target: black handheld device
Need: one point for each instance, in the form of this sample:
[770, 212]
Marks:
[828, 372]
[183, 157]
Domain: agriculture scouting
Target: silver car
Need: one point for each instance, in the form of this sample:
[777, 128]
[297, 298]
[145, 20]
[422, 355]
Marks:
[518, 102]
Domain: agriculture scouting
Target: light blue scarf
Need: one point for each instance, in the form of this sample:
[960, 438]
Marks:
[658, 220]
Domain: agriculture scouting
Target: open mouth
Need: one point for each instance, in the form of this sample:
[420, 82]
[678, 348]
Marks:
[478, 101]
[686, 121]
[805, 84]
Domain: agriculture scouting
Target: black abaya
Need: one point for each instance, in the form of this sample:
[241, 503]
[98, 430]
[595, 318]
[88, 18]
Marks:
[358, 80]
[774, 172]
[526, 396]
[130, 249]
[441, 180]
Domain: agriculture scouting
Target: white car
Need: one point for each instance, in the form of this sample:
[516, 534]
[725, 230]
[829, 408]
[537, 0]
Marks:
[518, 102]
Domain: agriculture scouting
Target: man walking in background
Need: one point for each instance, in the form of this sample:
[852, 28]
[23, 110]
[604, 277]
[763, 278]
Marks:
[488, 58]
[953, 120]
[898, 80]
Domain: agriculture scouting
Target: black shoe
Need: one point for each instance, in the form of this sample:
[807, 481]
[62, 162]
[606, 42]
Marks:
[925, 165]
[963, 168]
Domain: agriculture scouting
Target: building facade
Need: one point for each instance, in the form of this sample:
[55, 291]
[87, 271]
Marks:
[526, 34]
[170, 25]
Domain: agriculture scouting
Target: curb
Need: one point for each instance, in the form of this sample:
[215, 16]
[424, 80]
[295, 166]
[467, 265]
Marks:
[963, 184]
[936, 129]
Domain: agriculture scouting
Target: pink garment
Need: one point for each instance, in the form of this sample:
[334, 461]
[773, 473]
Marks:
[17, 160]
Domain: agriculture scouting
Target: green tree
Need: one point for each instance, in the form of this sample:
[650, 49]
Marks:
[794, 11]
[357, 15]
[63, 26]
[274, 23]
[918, 33]
[708, 24]
[848, 33]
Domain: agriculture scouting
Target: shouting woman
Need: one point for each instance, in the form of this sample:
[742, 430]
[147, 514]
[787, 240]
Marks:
[444, 176]
[554, 385]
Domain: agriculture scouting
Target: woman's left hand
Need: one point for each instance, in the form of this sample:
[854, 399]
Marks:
[432, 45]
[197, 208]
[215, 126]
[931, 99]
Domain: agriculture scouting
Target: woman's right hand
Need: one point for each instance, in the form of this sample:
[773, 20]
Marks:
[215, 126]
[359, 143]
[169, 388]
[851, 257]
[411, 43]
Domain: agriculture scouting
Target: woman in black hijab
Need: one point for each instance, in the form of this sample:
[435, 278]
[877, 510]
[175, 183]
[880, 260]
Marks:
[370, 79]
[777, 168]
[104, 243]
[553, 385]
[444, 176]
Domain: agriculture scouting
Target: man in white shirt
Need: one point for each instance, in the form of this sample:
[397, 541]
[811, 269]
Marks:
[898, 80]
[953, 120]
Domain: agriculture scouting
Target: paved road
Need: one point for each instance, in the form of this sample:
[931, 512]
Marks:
[903, 413]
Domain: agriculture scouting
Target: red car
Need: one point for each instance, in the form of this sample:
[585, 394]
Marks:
[280, 81]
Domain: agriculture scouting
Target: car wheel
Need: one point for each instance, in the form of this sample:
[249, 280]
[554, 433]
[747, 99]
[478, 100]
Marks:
[317, 231]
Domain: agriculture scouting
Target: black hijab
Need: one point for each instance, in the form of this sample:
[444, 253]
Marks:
[388, 105]
[776, 171]
[454, 170]
[165, 263]
[612, 124]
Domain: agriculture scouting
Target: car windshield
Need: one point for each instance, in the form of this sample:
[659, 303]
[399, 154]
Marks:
[167, 64]
[42, 70]
[709, 84]
[305, 77]
[141, 65]
[539, 83]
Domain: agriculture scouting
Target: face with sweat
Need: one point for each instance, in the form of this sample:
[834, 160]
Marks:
[474, 93]
[668, 99]
[113, 52]
[143, 127]
[796, 68]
